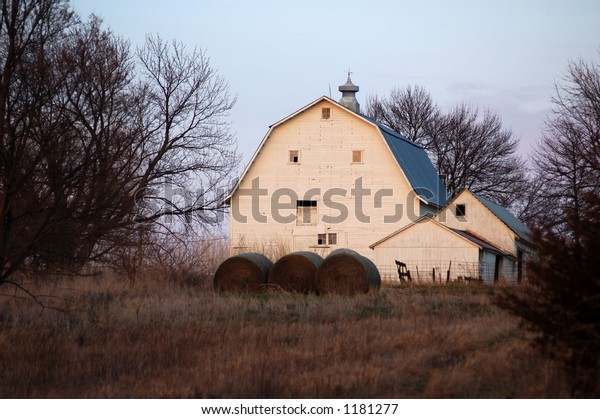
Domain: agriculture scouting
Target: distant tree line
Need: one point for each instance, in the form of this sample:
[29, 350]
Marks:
[98, 141]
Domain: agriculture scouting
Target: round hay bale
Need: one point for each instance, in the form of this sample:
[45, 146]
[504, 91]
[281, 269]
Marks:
[347, 272]
[246, 272]
[343, 251]
[296, 272]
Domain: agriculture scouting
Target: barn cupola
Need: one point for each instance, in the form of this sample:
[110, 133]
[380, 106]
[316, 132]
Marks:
[348, 99]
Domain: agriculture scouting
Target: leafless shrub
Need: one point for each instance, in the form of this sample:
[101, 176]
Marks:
[190, 264]
[273, 249]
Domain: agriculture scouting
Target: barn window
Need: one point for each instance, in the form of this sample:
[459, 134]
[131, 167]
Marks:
[327, 239]
[325, 113]
[294, 156]
[332, 238]
[461, 211]
[306, 213]
[357, 156]
[321, 239]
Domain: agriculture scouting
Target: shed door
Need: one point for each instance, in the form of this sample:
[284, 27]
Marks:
[497, 265]
[519, 265]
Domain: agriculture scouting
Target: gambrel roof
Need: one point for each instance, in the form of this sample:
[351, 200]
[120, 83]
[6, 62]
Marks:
[417, 166]
[410, 156]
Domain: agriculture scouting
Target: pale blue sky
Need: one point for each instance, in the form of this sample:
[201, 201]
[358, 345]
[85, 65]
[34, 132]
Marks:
[278, 56]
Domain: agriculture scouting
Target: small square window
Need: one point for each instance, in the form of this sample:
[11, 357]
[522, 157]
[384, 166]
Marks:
[332, 238]
[325, 113]
[461, 211]
[306, 213]
[321, 238]
[294, 156]
[357, 156]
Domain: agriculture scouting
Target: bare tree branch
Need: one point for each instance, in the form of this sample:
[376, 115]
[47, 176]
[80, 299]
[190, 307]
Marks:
[98, 144]
[468, 149]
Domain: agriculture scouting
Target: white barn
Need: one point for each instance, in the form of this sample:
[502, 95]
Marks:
[327, 177]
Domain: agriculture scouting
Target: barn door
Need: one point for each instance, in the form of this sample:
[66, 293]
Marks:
[304, 243]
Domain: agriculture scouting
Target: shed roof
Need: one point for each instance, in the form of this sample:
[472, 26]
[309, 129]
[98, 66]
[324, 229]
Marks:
[482, 243]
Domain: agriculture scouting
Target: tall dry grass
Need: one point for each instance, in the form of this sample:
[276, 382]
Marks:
[159, 339]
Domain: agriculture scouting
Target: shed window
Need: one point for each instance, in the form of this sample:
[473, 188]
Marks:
[461, 211]
[357, 156]
[294, 156]
[325, 113]
[306, 213]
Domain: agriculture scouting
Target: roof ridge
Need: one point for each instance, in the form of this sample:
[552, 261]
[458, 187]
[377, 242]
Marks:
[391, 131]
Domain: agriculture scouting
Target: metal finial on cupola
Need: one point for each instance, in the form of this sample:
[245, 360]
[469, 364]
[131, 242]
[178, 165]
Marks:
[348, 99]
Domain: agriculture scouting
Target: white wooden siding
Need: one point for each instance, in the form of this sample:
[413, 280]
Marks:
[425, 246]
[480, 221]
[325, 162]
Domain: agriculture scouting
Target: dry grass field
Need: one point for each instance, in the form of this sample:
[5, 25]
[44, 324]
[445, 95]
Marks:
[159, 339]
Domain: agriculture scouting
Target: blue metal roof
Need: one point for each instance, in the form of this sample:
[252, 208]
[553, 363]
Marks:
[507, 218]
[416, 165]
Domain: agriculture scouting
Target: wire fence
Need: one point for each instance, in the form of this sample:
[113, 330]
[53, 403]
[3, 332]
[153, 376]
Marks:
[439, 271]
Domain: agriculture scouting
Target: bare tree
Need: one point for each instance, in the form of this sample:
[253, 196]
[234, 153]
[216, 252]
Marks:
[561, 305]
[568, 156]
[469, 149]
[187, 142]
[87, 139]
[577, 111]
[478, 153]
[29, 33]
[410, 112]
[530, 205]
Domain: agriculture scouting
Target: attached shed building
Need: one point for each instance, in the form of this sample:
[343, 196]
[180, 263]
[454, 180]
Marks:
[433, 251]
[493, 223]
